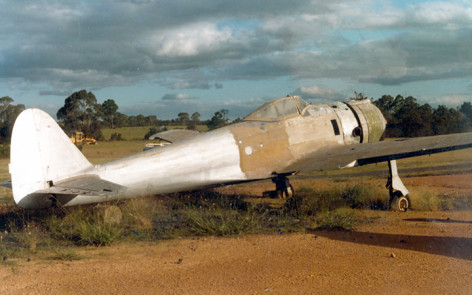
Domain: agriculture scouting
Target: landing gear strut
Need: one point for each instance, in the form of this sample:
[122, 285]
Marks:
[399, 198]
[283, 188]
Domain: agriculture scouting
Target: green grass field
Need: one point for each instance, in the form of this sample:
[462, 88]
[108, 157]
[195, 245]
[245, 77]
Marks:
[138, 133]
[127, 133]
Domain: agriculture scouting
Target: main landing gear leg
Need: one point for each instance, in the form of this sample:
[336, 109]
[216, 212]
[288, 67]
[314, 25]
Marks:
[283, 188]
[399, 195]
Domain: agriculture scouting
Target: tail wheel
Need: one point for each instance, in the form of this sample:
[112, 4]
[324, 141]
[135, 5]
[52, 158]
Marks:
[400, 203]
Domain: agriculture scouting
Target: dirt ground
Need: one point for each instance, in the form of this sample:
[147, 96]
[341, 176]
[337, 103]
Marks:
[387, 253]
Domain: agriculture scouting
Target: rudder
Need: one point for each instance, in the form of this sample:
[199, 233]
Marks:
[40, 154]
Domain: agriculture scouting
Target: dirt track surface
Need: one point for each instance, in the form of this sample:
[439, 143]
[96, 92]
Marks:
[390, 253]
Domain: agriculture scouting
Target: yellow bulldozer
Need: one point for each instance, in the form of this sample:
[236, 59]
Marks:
[78, 137]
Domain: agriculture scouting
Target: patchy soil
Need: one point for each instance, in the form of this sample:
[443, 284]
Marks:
[388, 253]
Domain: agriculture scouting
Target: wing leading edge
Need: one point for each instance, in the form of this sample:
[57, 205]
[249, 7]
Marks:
[330, 158]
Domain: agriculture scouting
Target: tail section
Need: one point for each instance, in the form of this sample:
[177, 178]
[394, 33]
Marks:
[41, 154]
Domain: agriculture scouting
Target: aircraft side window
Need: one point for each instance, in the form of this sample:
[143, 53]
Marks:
[335, 127]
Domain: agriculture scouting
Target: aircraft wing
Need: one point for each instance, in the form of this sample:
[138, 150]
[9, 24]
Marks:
[330, 158]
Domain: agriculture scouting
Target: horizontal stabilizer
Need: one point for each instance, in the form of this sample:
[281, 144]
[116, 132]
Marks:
[6, 184]
[89, 185]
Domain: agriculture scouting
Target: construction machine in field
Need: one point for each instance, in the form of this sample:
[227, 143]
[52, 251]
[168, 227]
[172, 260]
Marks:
[79, 137]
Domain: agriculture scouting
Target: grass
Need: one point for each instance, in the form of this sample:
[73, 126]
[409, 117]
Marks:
[138, 133]
[50, 233]
[127, 133]
[83, 227]
[53, 234]
[339, 219]
[64, 255]
[112, 150]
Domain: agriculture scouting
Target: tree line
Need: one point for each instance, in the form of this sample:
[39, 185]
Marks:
[82, 112]
[407, 118]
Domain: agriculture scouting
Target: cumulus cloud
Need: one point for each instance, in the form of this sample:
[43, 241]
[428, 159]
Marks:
[191, 40]
[450, 100]
[76, 45]
[316, 92]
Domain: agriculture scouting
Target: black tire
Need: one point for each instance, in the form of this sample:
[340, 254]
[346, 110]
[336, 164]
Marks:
[400, 203]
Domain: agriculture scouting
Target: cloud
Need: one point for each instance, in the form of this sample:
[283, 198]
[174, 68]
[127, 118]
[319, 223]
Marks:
[192, 85]
[315, 92]
[76, 45]
[191, 40]
[450, 100]
[448, 13]
[178, 97]
[54, 93]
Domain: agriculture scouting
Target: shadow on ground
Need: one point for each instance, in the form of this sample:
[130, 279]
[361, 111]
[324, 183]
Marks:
[434, 220]
[446, 246]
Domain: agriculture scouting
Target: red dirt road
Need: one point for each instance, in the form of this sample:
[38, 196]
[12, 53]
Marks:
[391, 253]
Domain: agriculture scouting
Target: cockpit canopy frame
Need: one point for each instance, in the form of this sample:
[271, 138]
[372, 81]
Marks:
[282, 108]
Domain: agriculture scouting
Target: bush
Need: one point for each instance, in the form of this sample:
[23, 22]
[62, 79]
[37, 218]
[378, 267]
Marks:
[339, 219]
[84, 227]
[116, 136]
[361, 196]
[309, 202]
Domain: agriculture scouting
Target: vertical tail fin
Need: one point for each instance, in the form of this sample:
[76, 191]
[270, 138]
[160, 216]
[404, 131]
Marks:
[40, 153]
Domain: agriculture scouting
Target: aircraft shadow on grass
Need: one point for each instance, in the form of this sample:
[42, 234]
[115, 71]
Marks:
[455, 247]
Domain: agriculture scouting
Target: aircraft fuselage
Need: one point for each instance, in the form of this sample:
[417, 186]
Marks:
[256, 148]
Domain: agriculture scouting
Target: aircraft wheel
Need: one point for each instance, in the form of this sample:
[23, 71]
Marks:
[287, 193]
[400, 203]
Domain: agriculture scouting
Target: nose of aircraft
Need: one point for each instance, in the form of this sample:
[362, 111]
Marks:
[370, 119]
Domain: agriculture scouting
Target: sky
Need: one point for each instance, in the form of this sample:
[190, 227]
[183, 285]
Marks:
[169, 56]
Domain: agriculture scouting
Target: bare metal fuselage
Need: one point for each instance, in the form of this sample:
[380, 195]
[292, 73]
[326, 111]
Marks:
[280, 138]
[249, 150]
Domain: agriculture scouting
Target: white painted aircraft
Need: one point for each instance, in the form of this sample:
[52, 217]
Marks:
[281, 138]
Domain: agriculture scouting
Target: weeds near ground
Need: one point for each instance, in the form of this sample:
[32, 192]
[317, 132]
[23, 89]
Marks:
[339, 219]
[83, 227]
[24, 233]
[65, 255]
[178, 215]
[360, 196]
